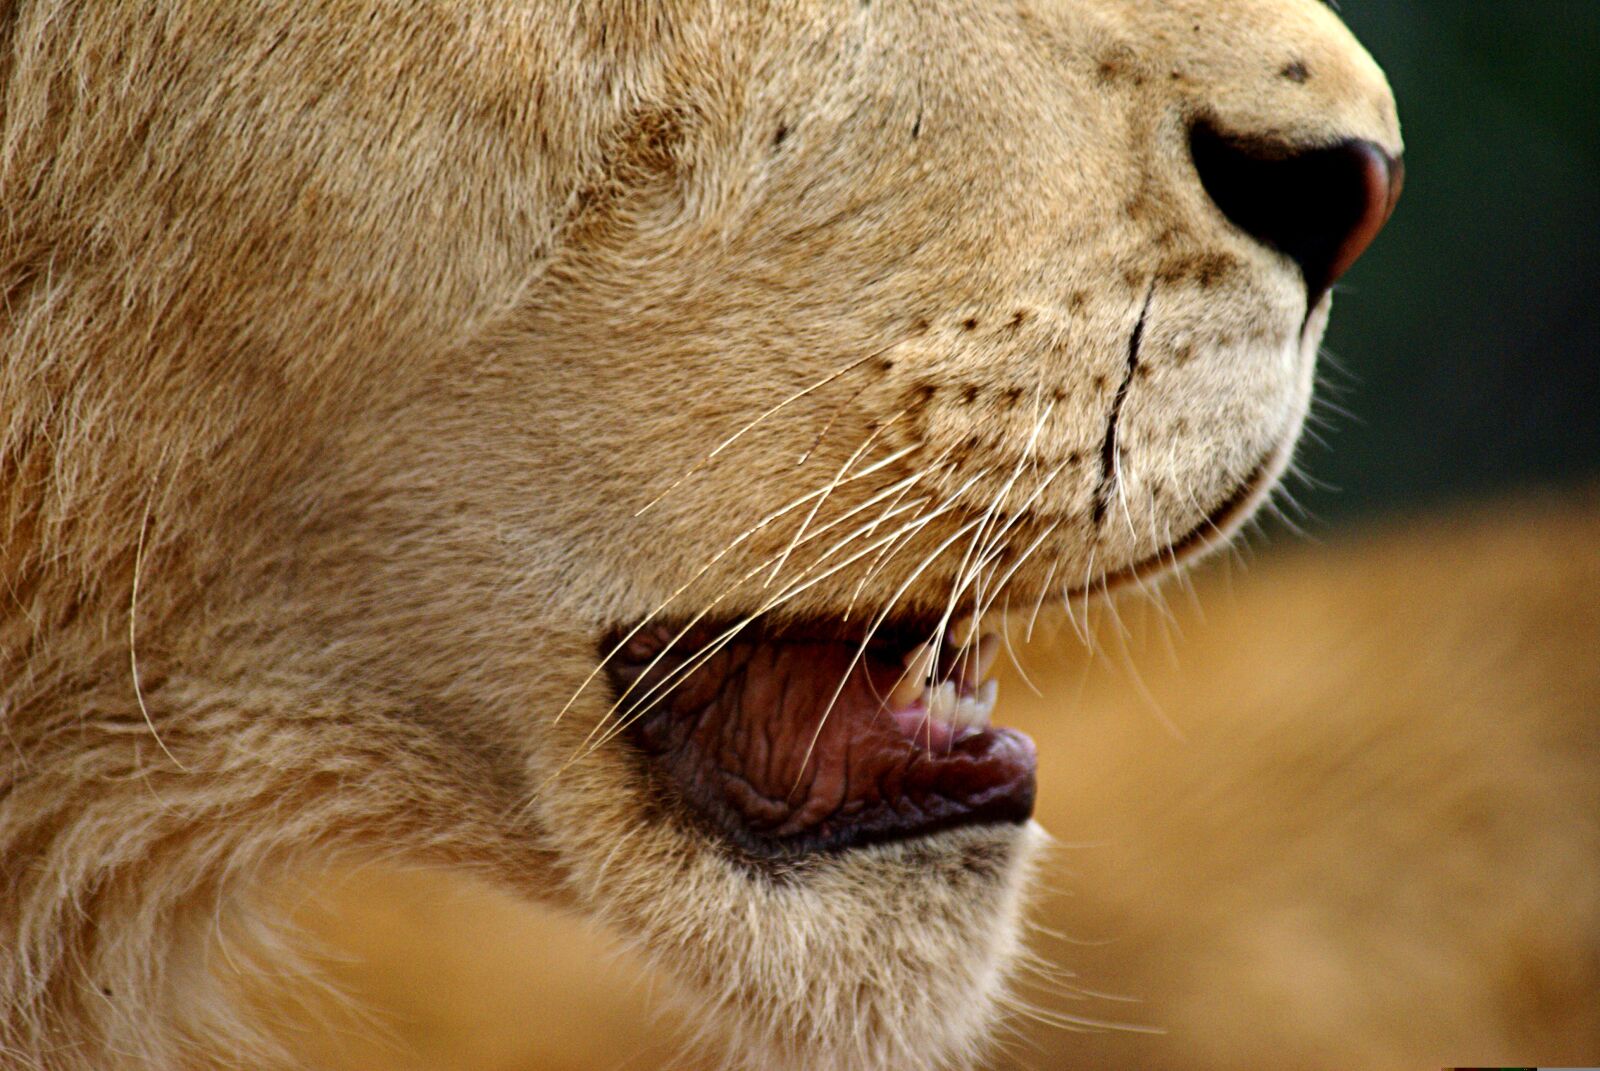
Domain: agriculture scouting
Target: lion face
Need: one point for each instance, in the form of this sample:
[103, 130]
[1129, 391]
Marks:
[656, 403]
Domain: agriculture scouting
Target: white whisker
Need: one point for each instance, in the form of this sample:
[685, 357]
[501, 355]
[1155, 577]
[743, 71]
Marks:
[711, 563]
[834, 483]
[877, 622]
[1038, 603]
[736, 436]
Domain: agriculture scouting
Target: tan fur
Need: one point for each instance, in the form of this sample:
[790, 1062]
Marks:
[345, 345]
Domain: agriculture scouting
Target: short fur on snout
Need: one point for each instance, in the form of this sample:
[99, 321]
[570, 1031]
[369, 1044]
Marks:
[365, 365]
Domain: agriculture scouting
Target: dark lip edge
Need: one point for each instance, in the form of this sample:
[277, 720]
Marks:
[1014, 808]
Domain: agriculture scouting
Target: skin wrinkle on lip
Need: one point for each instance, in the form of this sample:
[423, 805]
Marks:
[1110, 460]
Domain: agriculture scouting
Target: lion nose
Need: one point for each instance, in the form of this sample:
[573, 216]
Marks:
[1322, 207]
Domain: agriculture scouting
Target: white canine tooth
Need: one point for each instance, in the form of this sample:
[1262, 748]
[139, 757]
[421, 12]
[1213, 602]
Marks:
[942, 702]
[987, 695]
[919, 667]
[978, 709]
[982, 659]
[975, 710]
[962, 632]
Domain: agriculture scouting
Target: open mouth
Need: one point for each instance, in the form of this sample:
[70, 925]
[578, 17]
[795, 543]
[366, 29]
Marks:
[801, 738]
[784, 739]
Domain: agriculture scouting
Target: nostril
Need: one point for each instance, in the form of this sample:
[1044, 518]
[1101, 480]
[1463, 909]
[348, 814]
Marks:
[1320, 206]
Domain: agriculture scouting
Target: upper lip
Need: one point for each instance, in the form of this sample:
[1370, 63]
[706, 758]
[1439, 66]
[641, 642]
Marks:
[1215, 529]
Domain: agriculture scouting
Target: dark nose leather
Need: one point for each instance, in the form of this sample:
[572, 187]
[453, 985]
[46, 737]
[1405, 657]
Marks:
[1320, 206]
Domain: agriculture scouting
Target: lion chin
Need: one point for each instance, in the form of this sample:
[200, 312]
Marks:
[600, 448]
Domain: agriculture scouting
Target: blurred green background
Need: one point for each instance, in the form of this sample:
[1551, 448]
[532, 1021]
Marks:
[1466, 344]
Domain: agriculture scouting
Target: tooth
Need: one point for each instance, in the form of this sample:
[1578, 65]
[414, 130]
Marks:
[981, 661]
[980, 707]
[919, 667]
[942, 702]
[962, 631]
[977, 709]
[973, 711]
[906, 692]
[921, 657]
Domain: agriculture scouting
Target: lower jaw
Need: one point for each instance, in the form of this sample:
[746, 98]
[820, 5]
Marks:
[892, 956]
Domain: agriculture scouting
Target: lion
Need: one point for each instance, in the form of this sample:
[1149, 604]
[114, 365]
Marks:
[589, 447]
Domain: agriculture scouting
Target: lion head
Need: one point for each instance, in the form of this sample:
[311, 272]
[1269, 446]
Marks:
[595, 445]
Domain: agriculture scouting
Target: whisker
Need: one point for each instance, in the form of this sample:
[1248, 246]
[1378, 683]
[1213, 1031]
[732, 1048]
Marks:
[887, 554]
[710, 564]
[817, 505]
[1016, 517]
[982, 606]
[1110, 608]
[133, 639]
[643, 703]
[1038, 604]
[938, 468]
[889, 549]
[827, 427]
[736, 436]
[1080, 595]
[706, 611]
[1147, 695]
[963, 576]
[1011, 651]
[696, 660]
[646, 702]
[872, 629]
[1081, 1024]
